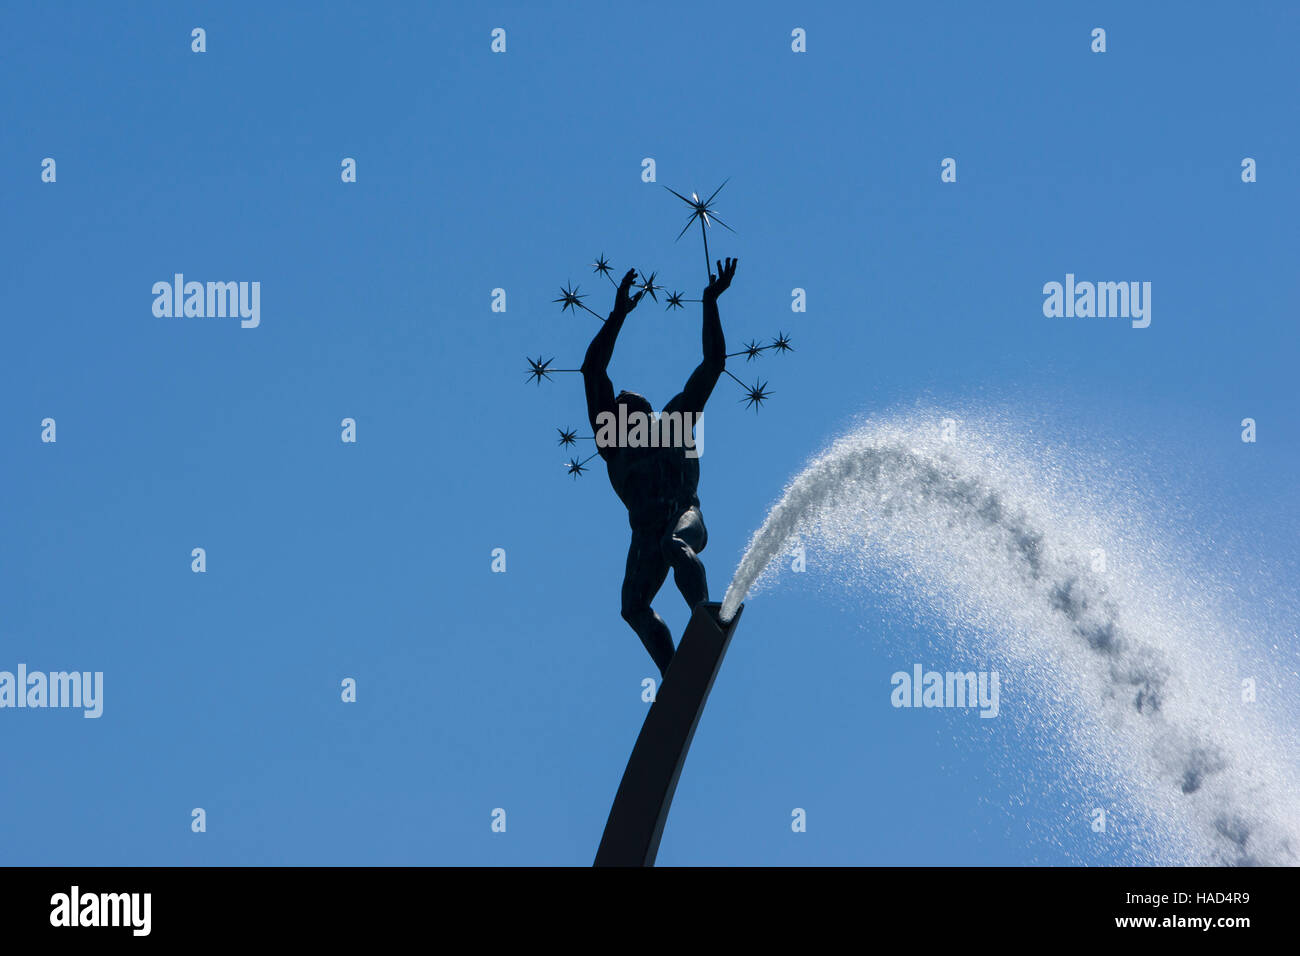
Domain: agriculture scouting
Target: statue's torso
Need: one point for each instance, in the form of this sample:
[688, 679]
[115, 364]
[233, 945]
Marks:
[656, 484]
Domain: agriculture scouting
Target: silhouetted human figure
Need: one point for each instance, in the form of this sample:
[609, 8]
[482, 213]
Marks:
[657, 484]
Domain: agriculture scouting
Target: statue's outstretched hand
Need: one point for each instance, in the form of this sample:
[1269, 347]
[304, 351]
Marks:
[719, 283]
[624, 303]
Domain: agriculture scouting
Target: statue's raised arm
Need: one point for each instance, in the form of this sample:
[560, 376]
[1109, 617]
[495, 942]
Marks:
[700, 385]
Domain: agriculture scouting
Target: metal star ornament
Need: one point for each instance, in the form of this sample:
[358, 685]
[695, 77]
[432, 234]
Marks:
[648, 285]
[570, 299]
[538, 370]
[601, 266]
[569, 437]
[704, 212]
[756, 396]
[675, 300]
[569, 296]
[576, 468]
[782, 343]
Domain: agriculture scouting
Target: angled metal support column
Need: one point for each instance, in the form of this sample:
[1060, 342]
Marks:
[640, 810]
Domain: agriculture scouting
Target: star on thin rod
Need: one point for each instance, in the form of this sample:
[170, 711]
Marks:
[571, 437]
[602, 266]
[781, 343]
[751, 351]
[754, 397]
[576, 468]
[675, 301]
[703, 211]
[538, 370]
[647, 284]
[572, 300]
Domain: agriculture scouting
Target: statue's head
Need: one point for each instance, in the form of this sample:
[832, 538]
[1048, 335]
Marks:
[634, 402]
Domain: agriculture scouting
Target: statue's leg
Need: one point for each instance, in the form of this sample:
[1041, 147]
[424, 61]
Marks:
[647, 568]
[681, 546]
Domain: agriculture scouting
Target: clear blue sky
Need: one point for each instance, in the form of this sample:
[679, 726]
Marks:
[475, 171]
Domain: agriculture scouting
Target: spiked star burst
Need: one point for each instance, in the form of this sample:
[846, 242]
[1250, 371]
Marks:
[675, 300]
[538, 370]
[569, 296]
[703, 211]
[571, 299]
[752, 350]
[569, 437]
[648, 285]
[576, 468]
[601, 265]
[782, 343]
[754, 397]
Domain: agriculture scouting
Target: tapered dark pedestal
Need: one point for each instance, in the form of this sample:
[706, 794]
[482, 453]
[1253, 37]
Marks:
[640, 810]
